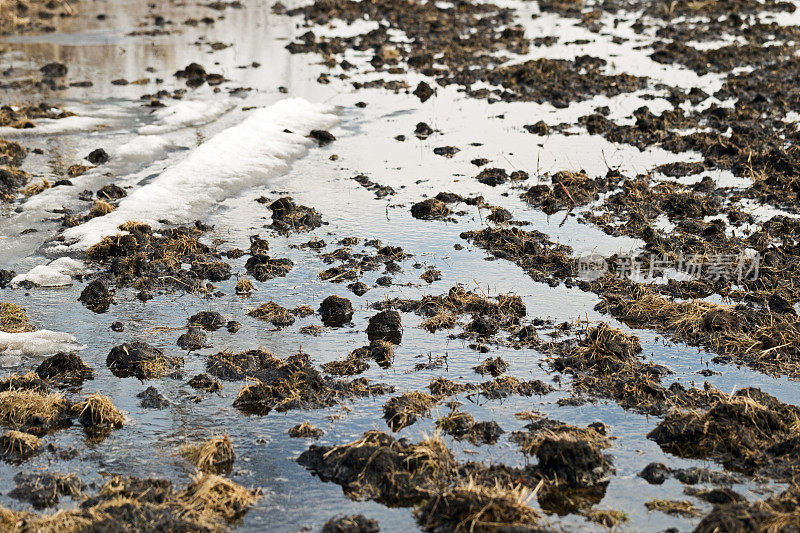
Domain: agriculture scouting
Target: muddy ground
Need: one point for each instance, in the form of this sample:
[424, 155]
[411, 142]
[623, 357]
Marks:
[532, 267]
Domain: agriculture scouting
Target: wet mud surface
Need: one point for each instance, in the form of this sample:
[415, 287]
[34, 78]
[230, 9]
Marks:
[224, 308]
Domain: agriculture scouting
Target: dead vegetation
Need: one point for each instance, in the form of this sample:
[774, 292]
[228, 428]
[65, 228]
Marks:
[33, 411]
[272, 312]
[762, 340]
[402, 411]
[14, 319]
[749, 431]
[285, 384]
[214, 455]
[462, 426]
[378, 467]
[471, 506]
[683, 508]
[18, 446]
[209, 503]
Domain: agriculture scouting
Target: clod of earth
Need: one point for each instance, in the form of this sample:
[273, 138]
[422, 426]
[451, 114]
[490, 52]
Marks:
[288, 216]
[64, 370]
[336, 311]
[208, 320]
[139, 359]
[385, 326]
[33, 411]
[204, 382]
[461, 425]
[150, 398]
[193, 339]
[430, 209]
[284, 384]
[209, 503]
[305, 431]
[749, 431]
[98, 157]
[492, 366]
[272, 312]
[97, 296]
[264, 268]
[471, 506]
[403, 410]
[98, 412]
[14, 319]
[43, 490]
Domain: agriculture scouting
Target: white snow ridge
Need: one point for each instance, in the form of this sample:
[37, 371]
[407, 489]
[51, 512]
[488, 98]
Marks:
[184, 114]
[37, 343]
[237, 158]
[55, 274]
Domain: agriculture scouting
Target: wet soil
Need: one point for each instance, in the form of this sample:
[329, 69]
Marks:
[416, 328]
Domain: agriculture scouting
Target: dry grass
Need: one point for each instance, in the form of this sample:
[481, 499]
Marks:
[14, 319]
[135, 225]
[21, 408]
[214, 456]
[683, 508]
[98, 411]
[455, 422]
[210, 496]
[36, 188]
[529, 442]
[402, 411]
[244, 286]
[470, 507]
[431, 458]
[760, 339]
[441, 387]
[209, 503]
[608, 518]
[18, 446]
[272, 312]
[100, 208]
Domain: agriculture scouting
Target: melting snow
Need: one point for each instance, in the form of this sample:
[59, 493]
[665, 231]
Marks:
[237, 158]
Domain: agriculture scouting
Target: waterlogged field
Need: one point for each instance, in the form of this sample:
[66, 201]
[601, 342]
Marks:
[399, 266]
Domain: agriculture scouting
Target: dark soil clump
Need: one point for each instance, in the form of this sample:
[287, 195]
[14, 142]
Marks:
[288, 216]
[139, 359]
[385, 326]
[336, 311]
[150, 398]
[64, 370]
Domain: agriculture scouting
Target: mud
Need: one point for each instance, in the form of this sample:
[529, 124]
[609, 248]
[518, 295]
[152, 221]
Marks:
[139, 359]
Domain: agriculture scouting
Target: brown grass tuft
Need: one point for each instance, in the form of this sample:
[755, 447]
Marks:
[214, 456]
[23, 408]
[210, 496]
[98, 411]
[14, 319]
[470, 507]
[100, 208]
[17, 446]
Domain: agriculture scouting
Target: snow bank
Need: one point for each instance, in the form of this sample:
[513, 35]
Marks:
[138, 151]
[50, 126]
[37, 343]
[240, 157]
[55, 274]
[184, 114]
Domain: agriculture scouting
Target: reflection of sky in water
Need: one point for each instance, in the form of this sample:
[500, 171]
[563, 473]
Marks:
[366, 145]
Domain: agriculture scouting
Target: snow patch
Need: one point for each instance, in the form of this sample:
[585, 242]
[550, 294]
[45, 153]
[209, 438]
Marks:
[184, 114]
[55, 274]
[37, 343]
[240, 157]
[55, 126]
